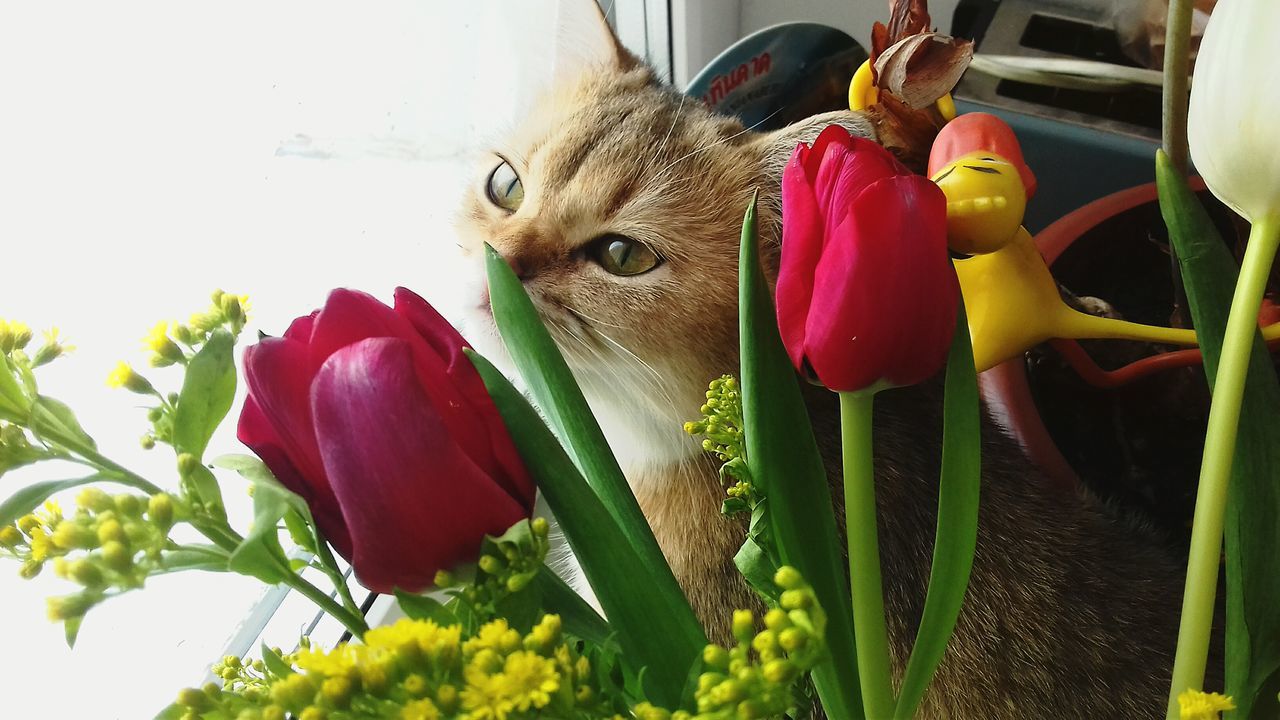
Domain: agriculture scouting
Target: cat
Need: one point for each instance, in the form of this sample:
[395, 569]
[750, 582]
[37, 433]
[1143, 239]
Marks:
[618, 202]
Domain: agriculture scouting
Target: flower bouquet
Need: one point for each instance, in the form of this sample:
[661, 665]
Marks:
[378, 435]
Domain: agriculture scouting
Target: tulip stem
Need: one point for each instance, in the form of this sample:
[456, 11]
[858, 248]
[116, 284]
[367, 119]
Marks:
[1177, 67]
[870, 635]
[1215, 469]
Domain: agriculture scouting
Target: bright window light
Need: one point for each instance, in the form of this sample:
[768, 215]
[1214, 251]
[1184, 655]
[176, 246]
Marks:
[152, 151]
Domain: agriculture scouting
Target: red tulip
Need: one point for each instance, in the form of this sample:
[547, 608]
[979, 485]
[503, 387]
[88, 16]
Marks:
[379, 421]
[866, 291]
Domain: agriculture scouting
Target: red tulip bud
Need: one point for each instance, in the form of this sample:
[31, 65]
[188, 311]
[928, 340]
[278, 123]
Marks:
[377, 419]
[867, 295]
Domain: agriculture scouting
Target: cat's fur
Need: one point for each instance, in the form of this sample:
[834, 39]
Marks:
[1072, 609]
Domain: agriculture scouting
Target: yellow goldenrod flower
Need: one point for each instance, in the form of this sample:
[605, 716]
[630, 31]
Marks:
[119, 375]
[13, 335]
[495, 635]
[52, 349]
[123, 376]
[41, 545]
[1197, 705]
[420, 710]
[338, 662]
[529, 680]
[164, 350]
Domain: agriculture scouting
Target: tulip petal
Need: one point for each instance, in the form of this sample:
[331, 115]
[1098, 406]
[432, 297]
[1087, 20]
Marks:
[817, 186]
[413, 501]
[300, 328]
[847, 169]
[885, 291]
[1231, 123]
[279, 378]
[802, 225]
[350, 316]
[480, 411]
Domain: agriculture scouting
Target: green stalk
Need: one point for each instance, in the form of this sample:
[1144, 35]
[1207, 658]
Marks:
[1177, 39]
[228, 539]
[352, 621]
[1215, 468]
[872, 638]
[330, 568]
[1176, 98]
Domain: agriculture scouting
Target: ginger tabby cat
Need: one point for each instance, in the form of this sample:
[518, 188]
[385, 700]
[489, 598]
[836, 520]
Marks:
[618, 202]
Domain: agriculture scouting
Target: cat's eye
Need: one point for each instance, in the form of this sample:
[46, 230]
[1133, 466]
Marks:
[504, 187]
[620, 255]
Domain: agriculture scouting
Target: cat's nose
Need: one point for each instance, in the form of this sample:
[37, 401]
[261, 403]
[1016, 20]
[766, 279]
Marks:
[520, 266]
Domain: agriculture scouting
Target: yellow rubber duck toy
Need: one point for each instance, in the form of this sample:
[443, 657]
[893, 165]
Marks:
[1012, 300]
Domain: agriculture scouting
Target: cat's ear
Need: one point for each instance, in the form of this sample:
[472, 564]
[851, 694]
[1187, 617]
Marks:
[775, 148]
[584, 41]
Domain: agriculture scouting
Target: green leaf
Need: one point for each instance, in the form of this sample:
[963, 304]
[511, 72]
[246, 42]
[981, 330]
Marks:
[579, 619]
[758, 569]
[274, 663]
[421, 607]
[957, 533]
[298, 519]
[557, 394]
[208, 389]
[656, 627]
[1252, 534]
[30, 497]
[783, 457]
[301, 531]
[203, 484]
[260, 555]
[260, 476]
[54, 422]
[733, 506]
[209, 558]
[13, 401]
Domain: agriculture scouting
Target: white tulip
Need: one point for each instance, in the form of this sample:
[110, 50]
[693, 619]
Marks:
[1234, 121]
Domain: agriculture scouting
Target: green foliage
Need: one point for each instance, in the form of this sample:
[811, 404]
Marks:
[656, 627]
[957, 534]
[1252, 534]
[208, 390]
[780, 448]
[558, 396]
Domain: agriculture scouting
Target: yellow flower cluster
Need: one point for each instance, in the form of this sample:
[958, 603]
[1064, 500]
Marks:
[721, 428]
[226, 309]
[1197, 705]
[416, 670]
[507, 564]
[171, 343]
[423, 670]
[14, 335]
[757, 677]
[110, 541]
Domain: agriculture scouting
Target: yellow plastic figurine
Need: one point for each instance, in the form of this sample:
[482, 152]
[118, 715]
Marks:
[1012, 299]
